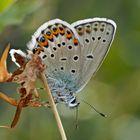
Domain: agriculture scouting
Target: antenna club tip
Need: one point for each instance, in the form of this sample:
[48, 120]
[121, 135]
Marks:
[103, 115]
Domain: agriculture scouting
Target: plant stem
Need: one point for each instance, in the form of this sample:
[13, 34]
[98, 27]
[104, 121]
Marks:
[8, 99]
[53, 107]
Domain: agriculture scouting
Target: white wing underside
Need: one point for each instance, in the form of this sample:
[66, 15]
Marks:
[96, 42]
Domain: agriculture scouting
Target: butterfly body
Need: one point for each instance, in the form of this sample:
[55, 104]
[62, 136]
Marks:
[63, 87]
[72, 53]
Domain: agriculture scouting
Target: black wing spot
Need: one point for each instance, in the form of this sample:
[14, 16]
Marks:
[75, 58]
[37, 39]
[79, 28]
[95, 24]
[93, 38]
[46, 46]
[99, 38]
[90, 56]
[62, 68]
[48, 33]
[49, 26]
[52, 55]
[88, 26]
[104, 40]
[56, 35]
[69, 47]
[62, 34]
[61, 28]
[54, 48]
[103, 25]
[73, 71]
[107, 33]
[54, 29]
[68, 32]
[63, 43]
[63, 59]
[52, 40]
[42, 31]
[34, 50]
[56, 24]
[87, 40]
[95, 29]
[59, 45]
[102, 29]
[76, 42]
[38, 46]
[44, 56]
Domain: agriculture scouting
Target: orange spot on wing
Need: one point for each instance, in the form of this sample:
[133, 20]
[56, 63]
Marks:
[55, 32]
[75, 41]
[61, 30]
[41, 48]
[69, 36]
[41, 44]
[48, 37]
[46, 43]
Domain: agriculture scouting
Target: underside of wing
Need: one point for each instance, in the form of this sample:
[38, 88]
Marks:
[57, 43]
[96, 35]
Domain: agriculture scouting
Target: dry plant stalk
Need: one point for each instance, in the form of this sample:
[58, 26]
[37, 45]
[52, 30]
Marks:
[26, 76]
[53, 106]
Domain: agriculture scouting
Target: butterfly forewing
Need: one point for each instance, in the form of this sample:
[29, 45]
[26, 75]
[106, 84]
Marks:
[96, 36]
[58, 44]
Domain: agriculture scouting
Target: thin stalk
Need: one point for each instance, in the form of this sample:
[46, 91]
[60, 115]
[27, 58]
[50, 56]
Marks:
[8, 99]
[53, 107]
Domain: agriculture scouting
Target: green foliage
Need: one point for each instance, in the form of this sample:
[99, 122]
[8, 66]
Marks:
[16, 12]
[5, 4]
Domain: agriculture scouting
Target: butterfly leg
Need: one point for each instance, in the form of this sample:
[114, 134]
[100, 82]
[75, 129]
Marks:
[46, 104]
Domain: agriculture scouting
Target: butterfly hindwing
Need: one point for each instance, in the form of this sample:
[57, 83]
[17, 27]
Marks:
[96, 36]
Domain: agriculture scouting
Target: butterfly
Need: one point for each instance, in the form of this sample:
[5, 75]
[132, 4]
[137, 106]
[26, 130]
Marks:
[71, 52]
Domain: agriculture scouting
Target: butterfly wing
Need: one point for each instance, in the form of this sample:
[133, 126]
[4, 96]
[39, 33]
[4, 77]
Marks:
[96, 35]
[57, 43]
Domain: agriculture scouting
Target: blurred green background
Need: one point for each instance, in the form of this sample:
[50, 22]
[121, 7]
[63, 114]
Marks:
[115, 90]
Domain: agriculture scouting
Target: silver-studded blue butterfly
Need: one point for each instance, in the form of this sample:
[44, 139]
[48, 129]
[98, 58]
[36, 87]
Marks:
[72, 53]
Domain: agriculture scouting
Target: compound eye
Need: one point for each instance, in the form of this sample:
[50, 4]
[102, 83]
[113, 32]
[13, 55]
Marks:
[73, 101]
